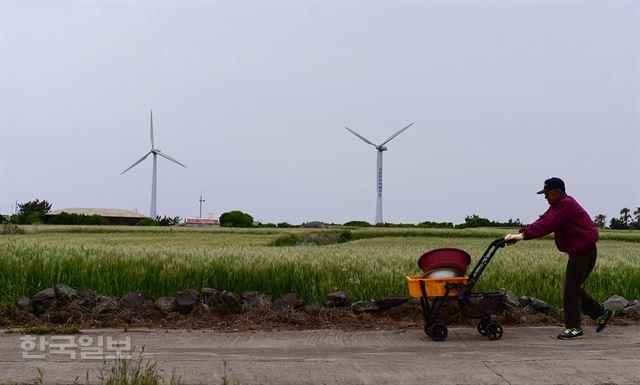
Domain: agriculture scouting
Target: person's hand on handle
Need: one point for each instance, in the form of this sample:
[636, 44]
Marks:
[513, 238]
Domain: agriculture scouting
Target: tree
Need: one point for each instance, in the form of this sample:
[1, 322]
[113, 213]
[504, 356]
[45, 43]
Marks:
[600, 221]
[147, 222]
[31, 212]
[65, 218]
[168, 221]
[25, 209]
[617, 224]
[236, 218]
[358, 224]
[625, 216]
[475, 221]
[440, 225]
[512, 223]
[95, 219]
[636, 222]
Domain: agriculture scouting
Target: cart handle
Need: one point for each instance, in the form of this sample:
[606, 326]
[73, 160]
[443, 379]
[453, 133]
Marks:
[484, 261]
[498, 243]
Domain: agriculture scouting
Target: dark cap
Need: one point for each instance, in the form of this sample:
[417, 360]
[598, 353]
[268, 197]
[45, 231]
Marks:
[552, 184]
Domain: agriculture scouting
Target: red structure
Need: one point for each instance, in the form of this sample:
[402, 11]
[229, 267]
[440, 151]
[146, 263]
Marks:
[202, 221]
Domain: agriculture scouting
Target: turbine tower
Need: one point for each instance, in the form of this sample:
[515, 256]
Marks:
[381, 148]
[155, 151]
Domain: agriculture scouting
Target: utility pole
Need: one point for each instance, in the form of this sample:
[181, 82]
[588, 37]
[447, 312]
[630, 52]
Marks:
[201, 200]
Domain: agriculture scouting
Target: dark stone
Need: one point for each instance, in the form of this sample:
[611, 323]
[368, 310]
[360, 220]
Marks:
[286, 302]
[166, 304]
[524, 301]
[364, 307]
[24, 304]
[186, 301]
[44, 301]
[209, 296]
[248, 296]
[106, 305]
[390, 301]
[87, 300]
[47, 294]
[253, 300]
[540, 306]
[616, 303]
[65, 294]
[632, 310]
[337, 299]
[298, 318]
[201, 309]
[232, 301]
[136, 300]
[510, 301]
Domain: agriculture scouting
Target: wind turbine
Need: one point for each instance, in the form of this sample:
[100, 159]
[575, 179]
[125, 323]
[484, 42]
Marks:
[381, 148]
[155, 151]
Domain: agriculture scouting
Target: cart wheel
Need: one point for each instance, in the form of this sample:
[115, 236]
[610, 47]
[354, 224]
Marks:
[439, 332]
[482, 326]
[494, 331]
[426, 330]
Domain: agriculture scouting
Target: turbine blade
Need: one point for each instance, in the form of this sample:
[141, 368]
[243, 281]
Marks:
[360, 136]
[396, 134]
[152, 143]
[136, 163]
[162, 154]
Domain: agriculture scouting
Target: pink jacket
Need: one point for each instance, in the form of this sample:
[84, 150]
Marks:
[575, 233]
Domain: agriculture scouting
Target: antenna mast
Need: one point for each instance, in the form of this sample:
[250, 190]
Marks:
[201, 200]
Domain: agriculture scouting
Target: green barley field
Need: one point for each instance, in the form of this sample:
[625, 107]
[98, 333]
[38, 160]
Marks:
[161, 261]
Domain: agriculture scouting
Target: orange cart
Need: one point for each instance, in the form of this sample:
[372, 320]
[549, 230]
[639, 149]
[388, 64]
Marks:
[434, 292]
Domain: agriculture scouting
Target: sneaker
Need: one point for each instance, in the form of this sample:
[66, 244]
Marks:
[571, 334]
[603, 319]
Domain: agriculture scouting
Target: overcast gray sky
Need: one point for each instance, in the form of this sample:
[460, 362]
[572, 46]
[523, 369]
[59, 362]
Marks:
[253, 97]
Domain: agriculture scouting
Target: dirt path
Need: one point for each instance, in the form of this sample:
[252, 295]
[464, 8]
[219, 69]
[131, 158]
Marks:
[525, 355]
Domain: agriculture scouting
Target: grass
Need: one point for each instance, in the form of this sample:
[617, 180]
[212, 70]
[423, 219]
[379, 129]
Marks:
[114, 260]
[129, 371]
[124, 371]
[133, 372]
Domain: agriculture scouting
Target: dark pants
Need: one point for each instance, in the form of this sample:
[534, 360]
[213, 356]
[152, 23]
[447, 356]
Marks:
[576, 299]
